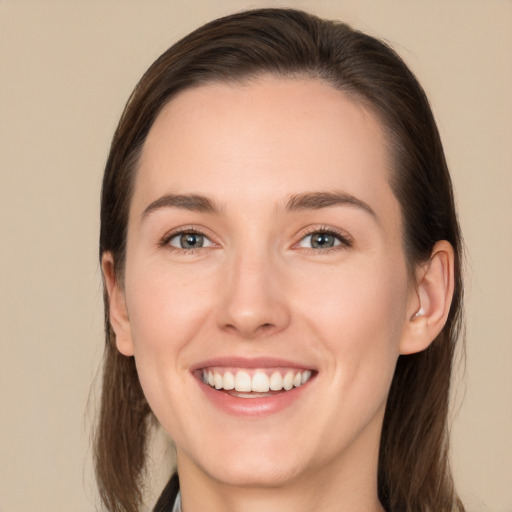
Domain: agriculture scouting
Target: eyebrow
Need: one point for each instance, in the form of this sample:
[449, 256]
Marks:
[297, 202]
[318, 200]
[192, 202]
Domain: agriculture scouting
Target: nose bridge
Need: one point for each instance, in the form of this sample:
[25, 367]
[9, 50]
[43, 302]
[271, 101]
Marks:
[253, 301]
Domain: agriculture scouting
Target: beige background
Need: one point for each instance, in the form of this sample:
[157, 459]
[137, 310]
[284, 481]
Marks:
[66, 69]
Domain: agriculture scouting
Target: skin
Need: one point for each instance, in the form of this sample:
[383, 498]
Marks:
[258, 288]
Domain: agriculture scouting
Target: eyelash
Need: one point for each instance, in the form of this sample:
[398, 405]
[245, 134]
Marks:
[344, 240]
[165, 241]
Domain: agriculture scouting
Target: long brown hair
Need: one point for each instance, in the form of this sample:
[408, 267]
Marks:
[413, 473]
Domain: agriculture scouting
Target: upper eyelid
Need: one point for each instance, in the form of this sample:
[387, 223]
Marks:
[191, 228]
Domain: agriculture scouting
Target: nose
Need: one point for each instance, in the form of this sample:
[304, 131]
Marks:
[253, 300]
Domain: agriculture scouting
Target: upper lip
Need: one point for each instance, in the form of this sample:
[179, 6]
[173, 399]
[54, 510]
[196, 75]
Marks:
[251, 362]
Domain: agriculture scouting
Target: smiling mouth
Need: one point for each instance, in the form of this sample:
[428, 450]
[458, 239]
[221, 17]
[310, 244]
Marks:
[254, 383]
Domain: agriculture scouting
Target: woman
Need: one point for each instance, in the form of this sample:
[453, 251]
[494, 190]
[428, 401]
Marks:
[282, 268]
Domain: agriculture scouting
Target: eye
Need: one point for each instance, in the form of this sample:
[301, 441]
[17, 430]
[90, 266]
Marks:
[323, 239]
[189, 240]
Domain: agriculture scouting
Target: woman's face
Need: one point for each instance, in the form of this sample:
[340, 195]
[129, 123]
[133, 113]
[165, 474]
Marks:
[265, 251]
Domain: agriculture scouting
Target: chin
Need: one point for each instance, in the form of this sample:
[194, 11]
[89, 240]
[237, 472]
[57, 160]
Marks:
[253, 463]
[256, 474]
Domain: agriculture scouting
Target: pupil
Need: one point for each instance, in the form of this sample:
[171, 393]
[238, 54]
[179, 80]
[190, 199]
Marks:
[191, 240]
[322, 240]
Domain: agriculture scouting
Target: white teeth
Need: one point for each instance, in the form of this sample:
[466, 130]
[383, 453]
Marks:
[288, 381]
[260, 382]
[305, 376]
[218, 380]
[243, 381]
[229, 381]
[276, 381]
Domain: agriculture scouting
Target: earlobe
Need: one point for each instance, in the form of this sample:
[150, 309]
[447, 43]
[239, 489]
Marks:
[431, 302]
[118, 312]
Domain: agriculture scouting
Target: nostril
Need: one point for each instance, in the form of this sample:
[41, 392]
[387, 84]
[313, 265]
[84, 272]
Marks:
[250, 331]
[264, 328]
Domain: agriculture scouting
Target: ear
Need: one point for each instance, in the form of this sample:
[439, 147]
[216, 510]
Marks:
[118, 312]
[430, 302]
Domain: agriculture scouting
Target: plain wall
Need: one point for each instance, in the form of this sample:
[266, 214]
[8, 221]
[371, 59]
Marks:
[66, 69]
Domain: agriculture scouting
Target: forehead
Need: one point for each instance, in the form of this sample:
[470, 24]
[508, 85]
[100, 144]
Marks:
[265, 139]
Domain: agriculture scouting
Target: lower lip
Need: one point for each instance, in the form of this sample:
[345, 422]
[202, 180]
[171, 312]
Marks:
[261, 406]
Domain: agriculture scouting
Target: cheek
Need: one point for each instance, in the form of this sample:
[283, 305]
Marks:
[356, 299]
[358, 316]
[166, 309]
